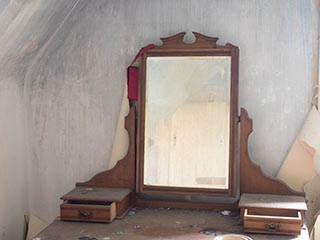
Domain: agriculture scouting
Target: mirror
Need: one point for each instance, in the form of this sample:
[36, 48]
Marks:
[188, 118]
[185, 96]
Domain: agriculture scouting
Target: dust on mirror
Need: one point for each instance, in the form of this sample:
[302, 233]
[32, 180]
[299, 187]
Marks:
[187, 121]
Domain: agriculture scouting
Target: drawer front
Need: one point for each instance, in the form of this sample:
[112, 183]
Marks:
[272, 224]
[88, 213]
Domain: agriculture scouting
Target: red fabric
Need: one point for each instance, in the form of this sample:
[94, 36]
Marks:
[133, 83]
[133, 75]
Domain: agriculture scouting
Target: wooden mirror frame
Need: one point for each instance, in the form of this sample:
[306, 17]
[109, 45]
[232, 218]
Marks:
[202, 46]
[125, 174]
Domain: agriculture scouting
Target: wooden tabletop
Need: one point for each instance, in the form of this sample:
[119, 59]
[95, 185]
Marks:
[164, 224]
[97, 194]
[273, 201]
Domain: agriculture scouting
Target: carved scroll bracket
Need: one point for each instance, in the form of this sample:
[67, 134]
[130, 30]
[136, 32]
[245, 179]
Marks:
[252, 178]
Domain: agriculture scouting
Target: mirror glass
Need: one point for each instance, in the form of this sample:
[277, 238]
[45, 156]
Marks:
[187, 121]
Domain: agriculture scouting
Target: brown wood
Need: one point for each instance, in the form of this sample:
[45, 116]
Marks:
[202, 46]
[97, 194]
[282, 205]
[273, 201]
[176, 41]
[184, 204]
[123, 174]
[156, 224]
[272, 212]
[257, 221]
[88, 213]
[123, 206]
[96, 198]
[252, 178]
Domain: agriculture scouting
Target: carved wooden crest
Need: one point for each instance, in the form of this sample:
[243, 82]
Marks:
[201, 41]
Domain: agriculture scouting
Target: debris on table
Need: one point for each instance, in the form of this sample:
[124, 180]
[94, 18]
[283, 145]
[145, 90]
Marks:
[131, 213]
[209, 231]
[137, 226]
[225, 213]
[155, 224]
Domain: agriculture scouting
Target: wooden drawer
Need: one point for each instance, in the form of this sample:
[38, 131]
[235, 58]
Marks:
[256, 221]
[95, 204]
[88, 211]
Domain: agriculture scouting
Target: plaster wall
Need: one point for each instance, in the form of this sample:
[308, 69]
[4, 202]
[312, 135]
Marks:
[25, 26]
[63, 71]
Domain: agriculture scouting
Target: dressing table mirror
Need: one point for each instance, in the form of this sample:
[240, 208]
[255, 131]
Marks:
[187, 118]
[188, 144]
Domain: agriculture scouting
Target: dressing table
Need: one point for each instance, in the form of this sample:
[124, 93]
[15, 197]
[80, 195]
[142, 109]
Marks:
[156, 224]
[188, 150]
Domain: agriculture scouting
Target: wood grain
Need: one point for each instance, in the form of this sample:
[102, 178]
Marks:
[259, 222]
[176, 41]
[273, 201]
[252, 178]
[157, 224]
[91, 213]
[141, 202]
[98, 194]
[202, 46]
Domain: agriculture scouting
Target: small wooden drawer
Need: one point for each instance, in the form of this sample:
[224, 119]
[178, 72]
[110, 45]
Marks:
[88, 211]
[95, 204]
[256, 221]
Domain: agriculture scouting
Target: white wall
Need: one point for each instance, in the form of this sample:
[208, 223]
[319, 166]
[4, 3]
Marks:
[63, 69]
[25, 27]
[13, 174]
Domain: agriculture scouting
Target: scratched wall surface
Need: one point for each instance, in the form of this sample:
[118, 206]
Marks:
[25, 26]
[63, 69]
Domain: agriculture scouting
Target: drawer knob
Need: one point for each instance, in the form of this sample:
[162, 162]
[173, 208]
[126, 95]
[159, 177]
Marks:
[85, 214]
[272, 227]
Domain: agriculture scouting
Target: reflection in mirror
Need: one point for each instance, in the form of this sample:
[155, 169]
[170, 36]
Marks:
[187, 121]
